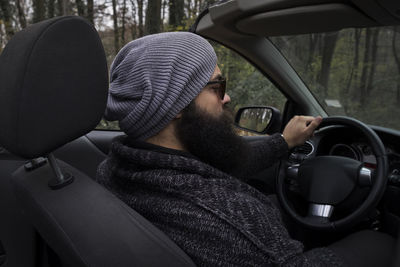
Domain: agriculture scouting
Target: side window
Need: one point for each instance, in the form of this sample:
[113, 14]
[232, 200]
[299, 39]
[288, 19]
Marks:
[246, 85]
[108, 125]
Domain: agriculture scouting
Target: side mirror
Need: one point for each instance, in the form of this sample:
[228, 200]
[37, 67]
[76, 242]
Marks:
[261, 119]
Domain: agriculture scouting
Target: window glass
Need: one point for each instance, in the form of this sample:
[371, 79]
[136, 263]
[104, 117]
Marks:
[352, 72]
[108, 125]
[245, 85]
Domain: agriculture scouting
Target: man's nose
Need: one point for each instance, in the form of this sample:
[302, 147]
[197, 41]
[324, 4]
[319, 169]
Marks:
[226, 99]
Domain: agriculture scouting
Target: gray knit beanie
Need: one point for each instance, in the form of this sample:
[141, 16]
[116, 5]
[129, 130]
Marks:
[154, 78]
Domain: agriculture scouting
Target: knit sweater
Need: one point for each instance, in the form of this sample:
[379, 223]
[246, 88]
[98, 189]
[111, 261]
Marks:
[214, 217]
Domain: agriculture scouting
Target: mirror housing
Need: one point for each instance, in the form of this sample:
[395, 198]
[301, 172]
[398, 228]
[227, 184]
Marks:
[258, 119]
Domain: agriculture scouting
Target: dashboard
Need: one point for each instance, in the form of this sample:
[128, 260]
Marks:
[347, 142]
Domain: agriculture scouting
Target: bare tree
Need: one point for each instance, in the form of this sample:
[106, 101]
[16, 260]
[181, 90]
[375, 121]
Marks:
[7, 17]
[90, 11]
[364, 73]
[140, 16]
[329, 41]
[176, 13]
[313, 41]
[373, 63]
[39, 10]
[153, 17]
[134, 25]
[59, 7]
[196, 6]
[354, 70]
[116, 31]
[86, 11]
[21, 13]
[81, 8]
[51, 6]
[163, 10]
[64, 7]
[124, 9]
[188, 7]
[397, 60]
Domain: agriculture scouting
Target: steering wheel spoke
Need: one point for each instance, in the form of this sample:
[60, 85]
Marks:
[292, 171]
[320, 210]
[365, 177]
[291, 178]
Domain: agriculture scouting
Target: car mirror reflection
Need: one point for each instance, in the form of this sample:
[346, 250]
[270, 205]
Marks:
[258, 119]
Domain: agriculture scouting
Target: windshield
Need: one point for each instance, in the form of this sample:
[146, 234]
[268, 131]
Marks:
[353, 72]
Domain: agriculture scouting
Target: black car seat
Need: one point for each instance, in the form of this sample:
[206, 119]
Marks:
[53, 90]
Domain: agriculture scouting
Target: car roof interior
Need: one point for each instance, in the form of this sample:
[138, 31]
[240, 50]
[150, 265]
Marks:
[287, 17]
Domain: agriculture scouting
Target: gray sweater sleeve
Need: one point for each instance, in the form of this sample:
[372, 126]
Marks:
[263, 154]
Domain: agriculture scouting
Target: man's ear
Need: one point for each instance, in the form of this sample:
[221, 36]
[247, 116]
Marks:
[179, 115]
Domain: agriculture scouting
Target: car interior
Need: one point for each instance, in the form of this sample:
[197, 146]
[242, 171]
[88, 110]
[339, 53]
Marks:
[53, 94]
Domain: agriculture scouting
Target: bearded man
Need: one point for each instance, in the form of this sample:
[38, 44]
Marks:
[175, 164]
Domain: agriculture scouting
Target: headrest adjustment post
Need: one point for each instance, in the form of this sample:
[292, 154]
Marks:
[57, 171]
[60, 180]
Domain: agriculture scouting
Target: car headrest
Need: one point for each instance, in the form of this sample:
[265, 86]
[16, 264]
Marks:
[53, 86]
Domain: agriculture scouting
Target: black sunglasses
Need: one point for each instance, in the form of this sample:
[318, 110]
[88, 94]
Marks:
[221, 88]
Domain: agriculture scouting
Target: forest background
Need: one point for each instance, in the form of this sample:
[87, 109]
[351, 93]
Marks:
[353, 72]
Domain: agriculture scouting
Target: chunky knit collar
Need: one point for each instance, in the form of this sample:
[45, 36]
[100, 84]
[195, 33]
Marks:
[133, 143]
[158, 158]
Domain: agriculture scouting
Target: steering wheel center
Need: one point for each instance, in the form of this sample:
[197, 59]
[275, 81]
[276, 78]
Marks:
[328, 179]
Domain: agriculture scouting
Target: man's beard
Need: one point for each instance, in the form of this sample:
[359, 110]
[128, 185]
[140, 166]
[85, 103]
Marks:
[212, 138]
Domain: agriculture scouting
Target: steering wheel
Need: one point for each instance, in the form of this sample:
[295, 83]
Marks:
[326, 181]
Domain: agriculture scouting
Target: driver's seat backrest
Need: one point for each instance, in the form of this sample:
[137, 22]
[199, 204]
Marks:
[19, 242]
[54, 90]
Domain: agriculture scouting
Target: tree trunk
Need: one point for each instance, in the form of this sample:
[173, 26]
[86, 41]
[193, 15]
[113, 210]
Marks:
[59, 7]
[163, 7]
[329, 41]
[51, 8]
[196, 7]
[90, 11]
[373, 63]
[116, 32]
[67, 8]
[134, 24]
[153, 17]
[21, 14]
[313, 41]
[64, 7]
[123, 23]
[365, 67]
[176, 13]
[164, 3]
[140, 16]
[39, 10]
[397, 60]
[6, 17]
[188, 7]
[354, 70]
[81, 8]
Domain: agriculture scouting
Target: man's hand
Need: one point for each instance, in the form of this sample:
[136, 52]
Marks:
[299, 129]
